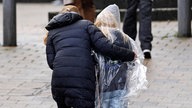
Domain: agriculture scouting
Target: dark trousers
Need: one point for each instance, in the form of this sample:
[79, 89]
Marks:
[68, 103]
[145, 18]
[61, 104]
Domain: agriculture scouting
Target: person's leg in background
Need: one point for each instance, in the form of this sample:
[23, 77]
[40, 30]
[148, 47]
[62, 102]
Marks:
[130, 19]
[145, 19]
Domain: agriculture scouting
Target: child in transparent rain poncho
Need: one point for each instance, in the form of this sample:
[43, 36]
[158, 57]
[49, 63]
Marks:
[117, 80]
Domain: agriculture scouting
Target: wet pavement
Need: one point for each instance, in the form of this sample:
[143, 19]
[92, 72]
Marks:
[25, 76]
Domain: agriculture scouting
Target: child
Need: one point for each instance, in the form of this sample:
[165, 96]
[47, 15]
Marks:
[117, 79]
[69, 45]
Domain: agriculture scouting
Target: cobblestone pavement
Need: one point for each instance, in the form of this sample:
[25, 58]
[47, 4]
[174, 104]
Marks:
[25, 76]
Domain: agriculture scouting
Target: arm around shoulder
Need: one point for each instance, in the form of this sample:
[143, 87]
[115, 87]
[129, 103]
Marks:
[104, 46]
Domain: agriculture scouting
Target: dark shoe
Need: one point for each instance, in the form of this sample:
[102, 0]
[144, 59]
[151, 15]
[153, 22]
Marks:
[147, 54]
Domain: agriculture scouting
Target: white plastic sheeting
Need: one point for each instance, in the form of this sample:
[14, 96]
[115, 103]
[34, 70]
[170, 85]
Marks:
[117, 80]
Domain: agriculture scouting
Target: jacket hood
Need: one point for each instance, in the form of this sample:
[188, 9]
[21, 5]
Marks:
[108, 21]
[110, 15]
[63, 19]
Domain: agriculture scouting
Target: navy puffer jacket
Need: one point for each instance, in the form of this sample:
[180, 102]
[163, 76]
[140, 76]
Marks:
[70, 42]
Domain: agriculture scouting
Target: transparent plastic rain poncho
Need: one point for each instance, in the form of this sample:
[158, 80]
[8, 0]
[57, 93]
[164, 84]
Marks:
[116, 80]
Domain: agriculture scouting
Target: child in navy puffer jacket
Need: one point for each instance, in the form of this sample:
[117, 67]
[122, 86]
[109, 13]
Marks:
[69, 45]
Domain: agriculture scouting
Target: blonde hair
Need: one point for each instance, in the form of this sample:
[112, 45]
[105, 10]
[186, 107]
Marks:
[45, 38]
[106, 20]
[70, 8]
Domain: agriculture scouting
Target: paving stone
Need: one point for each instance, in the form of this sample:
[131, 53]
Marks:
[25, 76]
